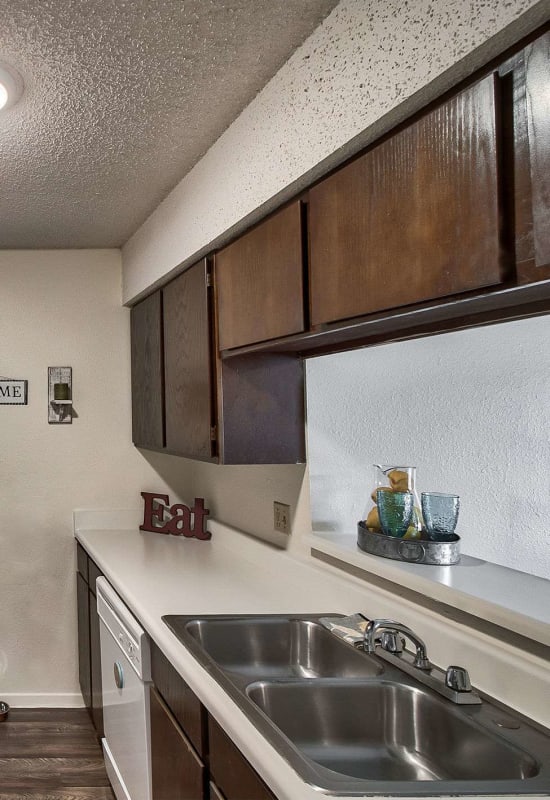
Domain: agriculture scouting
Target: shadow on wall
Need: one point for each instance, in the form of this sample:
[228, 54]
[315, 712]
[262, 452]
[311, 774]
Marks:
[239, 496]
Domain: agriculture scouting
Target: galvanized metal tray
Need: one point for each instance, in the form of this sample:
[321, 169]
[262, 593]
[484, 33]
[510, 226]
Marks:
[413, 551]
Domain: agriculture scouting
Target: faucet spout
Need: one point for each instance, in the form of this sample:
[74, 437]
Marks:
[421, 660]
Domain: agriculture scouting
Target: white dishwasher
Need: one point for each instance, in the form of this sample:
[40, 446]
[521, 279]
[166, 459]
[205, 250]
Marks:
[126, 676]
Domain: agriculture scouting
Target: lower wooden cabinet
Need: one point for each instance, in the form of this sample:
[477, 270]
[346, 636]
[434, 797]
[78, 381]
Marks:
[177, 771]
[187, 709]
[96, 704]
[192, 756]
[215, 793]
[230, 770]
[89, 657]
[84, 670]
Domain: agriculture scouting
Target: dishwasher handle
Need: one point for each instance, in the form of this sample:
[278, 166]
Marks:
[119, 674]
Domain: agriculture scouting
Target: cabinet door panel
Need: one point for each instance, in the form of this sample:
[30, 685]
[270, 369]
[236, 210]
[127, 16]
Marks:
[537, 77]
[262, 409]
[147, 373]
[182, 702]
[95, 668]
[188, 371]
[259, 282]
[417, 217]
[177, 771]
[231, 771]
[83, 609]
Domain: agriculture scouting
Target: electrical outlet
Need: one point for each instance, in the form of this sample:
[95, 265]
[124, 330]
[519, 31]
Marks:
[281, 517]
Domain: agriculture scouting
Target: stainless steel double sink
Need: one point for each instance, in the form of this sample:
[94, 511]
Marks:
[351, 724]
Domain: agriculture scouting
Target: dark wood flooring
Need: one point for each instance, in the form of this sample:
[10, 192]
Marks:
[51, 754]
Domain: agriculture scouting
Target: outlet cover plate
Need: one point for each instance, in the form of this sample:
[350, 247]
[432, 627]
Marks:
[281, 517]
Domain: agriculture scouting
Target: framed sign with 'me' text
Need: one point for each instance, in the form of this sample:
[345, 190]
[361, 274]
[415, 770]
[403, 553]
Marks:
[13, 392]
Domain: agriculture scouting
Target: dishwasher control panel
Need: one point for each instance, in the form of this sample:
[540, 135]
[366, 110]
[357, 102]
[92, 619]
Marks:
[124, 628]
[130, 647]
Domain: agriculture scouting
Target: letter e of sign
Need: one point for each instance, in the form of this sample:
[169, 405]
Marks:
[150, 513]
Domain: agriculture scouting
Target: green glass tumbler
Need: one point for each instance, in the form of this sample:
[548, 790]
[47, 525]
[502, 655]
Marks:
[395, 510]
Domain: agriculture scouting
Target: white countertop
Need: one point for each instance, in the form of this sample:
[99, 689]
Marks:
[232, 573]
[507, 597]
[157, 575]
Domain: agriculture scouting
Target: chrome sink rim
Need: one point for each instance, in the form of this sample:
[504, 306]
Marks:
[334, 783]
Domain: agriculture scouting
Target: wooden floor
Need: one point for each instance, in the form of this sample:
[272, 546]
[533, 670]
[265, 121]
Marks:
[51, 754]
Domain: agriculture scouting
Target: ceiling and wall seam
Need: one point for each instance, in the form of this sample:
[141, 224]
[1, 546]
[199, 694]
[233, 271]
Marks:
[365, 68]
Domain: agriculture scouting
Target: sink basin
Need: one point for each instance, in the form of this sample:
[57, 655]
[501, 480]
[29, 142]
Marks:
[385, 730]
[276, 648]
[352, 725]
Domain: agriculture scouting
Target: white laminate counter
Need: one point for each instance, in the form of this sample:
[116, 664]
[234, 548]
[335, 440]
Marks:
[503, 596]
[232, 573]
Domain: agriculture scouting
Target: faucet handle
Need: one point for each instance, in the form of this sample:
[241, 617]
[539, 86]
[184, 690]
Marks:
[457, 679]
[392, 642]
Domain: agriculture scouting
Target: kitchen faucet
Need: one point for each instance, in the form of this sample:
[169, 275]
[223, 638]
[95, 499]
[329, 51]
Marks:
[375, 625]
[454, 683]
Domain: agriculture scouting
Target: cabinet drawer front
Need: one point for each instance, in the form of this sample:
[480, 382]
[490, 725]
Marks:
[259, 282]
[231, 771]
[182, 702]
[415, 218]
[177, 772]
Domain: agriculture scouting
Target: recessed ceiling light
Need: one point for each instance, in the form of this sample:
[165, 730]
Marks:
[11, 86]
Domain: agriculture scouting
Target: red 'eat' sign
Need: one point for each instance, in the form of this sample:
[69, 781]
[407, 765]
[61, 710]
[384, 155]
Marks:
[180, 523]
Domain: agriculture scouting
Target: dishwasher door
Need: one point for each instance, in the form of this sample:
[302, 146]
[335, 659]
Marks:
[125, 672]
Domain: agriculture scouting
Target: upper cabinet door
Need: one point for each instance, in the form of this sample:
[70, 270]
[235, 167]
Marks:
[259, 282]
[415, 218]
[147, 373]
[187, 364]
[537, 83]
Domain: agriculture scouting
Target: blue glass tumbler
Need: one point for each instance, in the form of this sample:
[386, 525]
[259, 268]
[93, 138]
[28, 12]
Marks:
[440, 513]
[395, 510]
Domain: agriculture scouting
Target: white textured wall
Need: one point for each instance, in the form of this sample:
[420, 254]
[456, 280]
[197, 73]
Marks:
[468, 409]
[365, 68]
[58, 308]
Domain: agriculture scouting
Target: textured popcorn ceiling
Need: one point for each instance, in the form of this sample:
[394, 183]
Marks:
[122, 98]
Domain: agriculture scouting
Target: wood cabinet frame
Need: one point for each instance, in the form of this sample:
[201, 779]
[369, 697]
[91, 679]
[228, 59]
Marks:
[216, 767]
[259, 406]
[89, 654]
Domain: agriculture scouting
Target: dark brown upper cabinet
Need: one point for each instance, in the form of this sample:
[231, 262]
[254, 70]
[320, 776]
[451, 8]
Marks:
[248, 410]
[259, 282]
[534, 170]
[189, 377]
[147, 373]
[415, 218]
